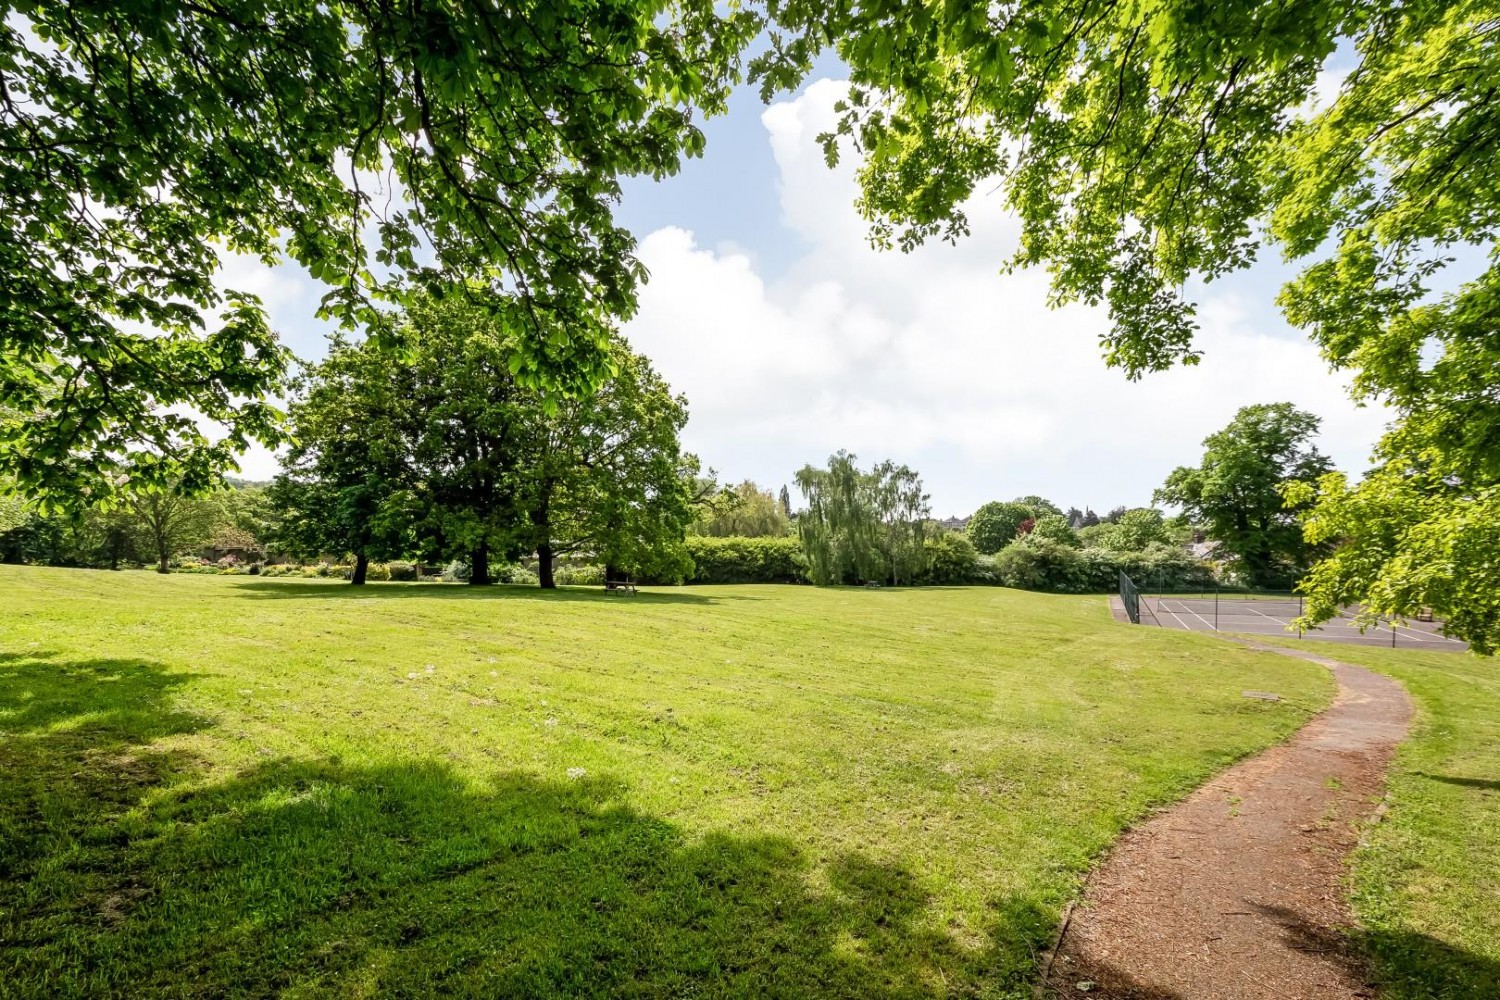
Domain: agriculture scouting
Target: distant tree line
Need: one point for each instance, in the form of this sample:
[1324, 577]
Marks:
[151, 527]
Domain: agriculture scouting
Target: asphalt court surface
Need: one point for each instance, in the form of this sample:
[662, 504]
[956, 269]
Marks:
[1273, 618]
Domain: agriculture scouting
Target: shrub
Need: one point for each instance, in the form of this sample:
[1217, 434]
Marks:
[458, 572]
[403, 571]
[519, 574]
[254, 569]
[378, 573]
[579, 576]
[1166, 567]
[951, 561]
[1038, 563]
[746, 560]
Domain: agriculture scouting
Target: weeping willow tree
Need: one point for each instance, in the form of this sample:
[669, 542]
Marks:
[862, 526]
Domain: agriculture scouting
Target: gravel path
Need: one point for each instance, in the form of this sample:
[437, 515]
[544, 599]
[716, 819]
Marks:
[1236, 893]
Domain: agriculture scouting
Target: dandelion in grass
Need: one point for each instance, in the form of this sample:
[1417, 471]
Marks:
[549, 723]
[574, 773]
[412, 676]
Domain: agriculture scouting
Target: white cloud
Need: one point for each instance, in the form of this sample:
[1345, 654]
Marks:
[936, 360]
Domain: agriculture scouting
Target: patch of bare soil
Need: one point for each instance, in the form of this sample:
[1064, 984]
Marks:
[1236, 893]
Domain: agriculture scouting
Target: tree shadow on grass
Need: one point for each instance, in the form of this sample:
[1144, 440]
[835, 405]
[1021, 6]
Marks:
[1403, 963]
[293, 589]
[153, 875]
[1487, 784]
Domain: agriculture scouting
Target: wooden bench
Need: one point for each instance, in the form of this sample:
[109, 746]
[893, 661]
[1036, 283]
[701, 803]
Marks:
[619, 587]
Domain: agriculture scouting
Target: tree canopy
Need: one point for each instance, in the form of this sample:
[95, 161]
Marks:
[745, 511]
[862, 527]
[445, 453]
[343, 475]
[1146, 147]
[387, 148]
[996, 524]
[1240, 492]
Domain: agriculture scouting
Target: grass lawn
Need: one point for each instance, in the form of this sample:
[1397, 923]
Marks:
[224, 786]
[1427, 884]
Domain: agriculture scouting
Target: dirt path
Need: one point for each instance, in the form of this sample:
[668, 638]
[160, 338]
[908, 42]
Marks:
[1235, 893]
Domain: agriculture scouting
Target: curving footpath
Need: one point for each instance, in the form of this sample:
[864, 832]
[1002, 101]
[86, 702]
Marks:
[1236, 892]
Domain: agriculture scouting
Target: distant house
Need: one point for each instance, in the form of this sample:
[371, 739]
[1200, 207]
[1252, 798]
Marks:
[954, 523]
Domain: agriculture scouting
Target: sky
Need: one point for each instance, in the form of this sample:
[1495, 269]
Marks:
[792, 338]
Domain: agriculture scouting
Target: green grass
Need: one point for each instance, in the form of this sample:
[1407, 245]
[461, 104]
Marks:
[222, 786]
[1426, 885]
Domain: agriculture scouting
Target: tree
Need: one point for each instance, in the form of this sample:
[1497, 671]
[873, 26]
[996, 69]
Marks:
[745, 511]
[1039, 506]
[388, 148]
[1056, 527]
[786, 503]
[342, 476]
[1403, 543]
[996, 524]
[606, 475]
[170, 521]
[468, 424]
[1144, 145]
[1237, 490]
[862, 526]
[1089, 518]
[1143, 526]
[901, 512]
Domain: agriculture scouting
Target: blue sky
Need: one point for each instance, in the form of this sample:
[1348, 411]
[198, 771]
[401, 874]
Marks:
[791, 338]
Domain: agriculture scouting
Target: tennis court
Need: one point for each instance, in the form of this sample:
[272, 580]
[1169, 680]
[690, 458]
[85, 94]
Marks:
[1272, 617]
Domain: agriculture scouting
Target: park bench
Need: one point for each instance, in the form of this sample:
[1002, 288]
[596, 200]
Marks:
[619, 587]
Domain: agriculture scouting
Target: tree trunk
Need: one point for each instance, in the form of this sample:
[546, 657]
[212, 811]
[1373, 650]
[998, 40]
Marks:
[612, 574]
[544, 566]
[162, 561]
[479, 565]
[361, 567]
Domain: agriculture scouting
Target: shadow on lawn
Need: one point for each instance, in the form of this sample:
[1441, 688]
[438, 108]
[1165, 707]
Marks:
[143, 872]
[294, 589]
[1448, 779]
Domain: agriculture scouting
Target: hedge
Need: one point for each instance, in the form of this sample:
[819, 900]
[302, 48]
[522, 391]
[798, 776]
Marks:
[746, 560]
[1033, 563]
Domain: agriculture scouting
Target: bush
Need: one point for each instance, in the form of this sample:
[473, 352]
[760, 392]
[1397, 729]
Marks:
[951, 561]
[458, 572]
[746, 560]
[1037, 563]
[377, 573]
[254, 569]
[405, 572]
[1166, 567]
[517, 574]
[579, 576]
